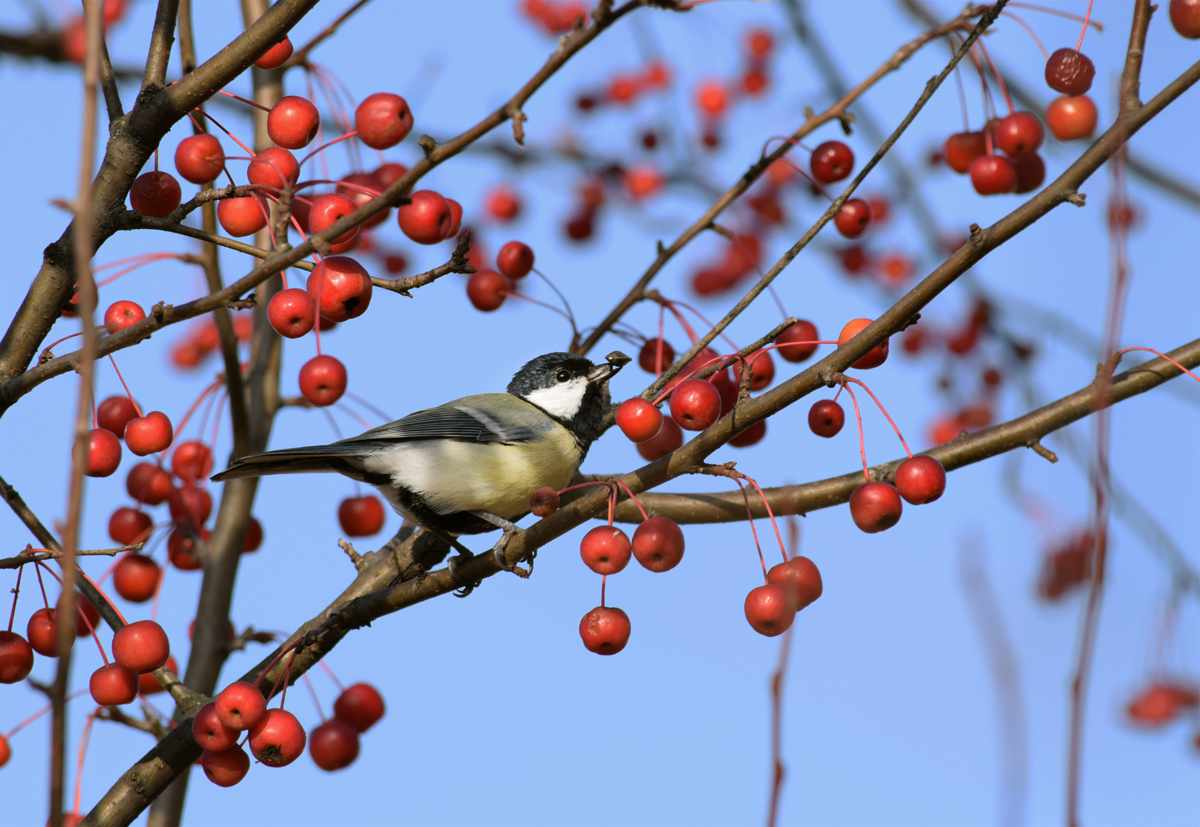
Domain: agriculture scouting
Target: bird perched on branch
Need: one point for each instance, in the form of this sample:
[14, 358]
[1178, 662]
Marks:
[469, 466]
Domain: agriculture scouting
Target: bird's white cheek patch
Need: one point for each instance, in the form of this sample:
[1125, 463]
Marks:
[563, 400]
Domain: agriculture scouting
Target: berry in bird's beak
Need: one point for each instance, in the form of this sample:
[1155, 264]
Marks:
[613, 363]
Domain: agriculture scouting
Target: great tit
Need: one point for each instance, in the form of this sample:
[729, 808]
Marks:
[469, 466]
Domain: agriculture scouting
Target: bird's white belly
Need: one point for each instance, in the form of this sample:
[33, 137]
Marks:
[467, 476]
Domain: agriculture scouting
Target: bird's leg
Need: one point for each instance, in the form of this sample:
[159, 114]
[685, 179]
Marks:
[452, 563]
[510, 531]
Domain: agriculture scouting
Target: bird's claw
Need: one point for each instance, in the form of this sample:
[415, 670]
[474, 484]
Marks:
[452, 564]
[502, 561]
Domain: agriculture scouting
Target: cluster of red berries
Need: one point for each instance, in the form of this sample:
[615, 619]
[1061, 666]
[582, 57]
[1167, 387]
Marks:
[487, 289]
[1161, 702]
[275, 736]
[1019, 170]
[41, 636]
[713, 98]
[119, 418]
[626, 87]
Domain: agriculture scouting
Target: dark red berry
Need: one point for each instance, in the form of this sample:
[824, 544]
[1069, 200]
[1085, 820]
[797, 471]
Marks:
[1069, 72]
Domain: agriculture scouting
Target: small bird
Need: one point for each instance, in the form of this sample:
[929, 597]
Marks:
[469, 466]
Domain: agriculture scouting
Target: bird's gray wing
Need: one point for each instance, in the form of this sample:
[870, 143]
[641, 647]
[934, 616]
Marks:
[463, 419]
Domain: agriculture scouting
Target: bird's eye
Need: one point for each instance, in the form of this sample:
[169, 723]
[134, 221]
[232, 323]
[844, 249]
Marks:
[563, 375]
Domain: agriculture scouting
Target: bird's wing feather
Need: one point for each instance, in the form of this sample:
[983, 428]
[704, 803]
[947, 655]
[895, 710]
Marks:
[463, 419]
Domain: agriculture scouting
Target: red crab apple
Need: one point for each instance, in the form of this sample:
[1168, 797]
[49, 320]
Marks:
[113, 686]
[225, 768]
[275, 56]
[148, 484]
[383, 120]
[149, 434]
[695, 404]
[192, 461]
[875, 506]
[426, 219]
[360, 705]
[278, 739]
[114, 413]
[127, 526]
[1069, 72]
[605, 549]
[140, 647]
[273, 169]
[333, 745]
[798, 341]
[800, 577]
[920, 479]
[993, 175]
[241, 217]
[121, 315]
[361, 516]
[853, 218]
[210, 733]
[327, 210]
[155, 194]
[16, 657]
[323, 380]
[136, 578]
[1072, 118]
[668, 439]
[341, 288]
[199, 159]
[831, 161]
[826, 418]
[658, 544]
[240, 705]
[487, 289]
[605, 630]
[962, 148]
[515, 259]
[639, 420]
[770, 609]
[102, 453]
[876, 356]
[42, 632]
[293, 122]
[648, 356]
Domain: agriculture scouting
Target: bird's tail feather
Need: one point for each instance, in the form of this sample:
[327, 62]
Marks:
[316, 458]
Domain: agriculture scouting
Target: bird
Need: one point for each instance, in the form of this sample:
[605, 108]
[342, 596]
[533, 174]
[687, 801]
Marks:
[470, 465]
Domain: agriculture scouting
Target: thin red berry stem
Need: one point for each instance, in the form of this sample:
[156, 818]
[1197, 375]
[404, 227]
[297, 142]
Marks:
[1030, 31]
[1058, 13]
[134, 263]
[882, 410]
[582, 485]
[64, 338]
[770, 514]
[187, 416]
[37, 569]
[561, 297]
[351, 134]
[1082, 32]
[679, 317]
[750, 519]
[962, 92]
[8, 735]
[232, 137]
[271, 665]
[243, 100]
[996, 74]
[1161, 356]
[315, 700]
[348, 411]
[540, 303]
[862, 443]
[621, 482]
[332, 676]
[136, 407]
[603, 586]
[86, 622]
[704, 319]
[84, 739]
[16, 593]
[612, 503]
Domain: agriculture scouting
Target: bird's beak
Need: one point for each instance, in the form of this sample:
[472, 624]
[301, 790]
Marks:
[613, 363]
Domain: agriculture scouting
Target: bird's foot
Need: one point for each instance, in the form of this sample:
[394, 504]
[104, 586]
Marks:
[510, 531]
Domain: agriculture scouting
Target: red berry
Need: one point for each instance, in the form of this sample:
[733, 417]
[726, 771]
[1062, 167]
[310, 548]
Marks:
[86, 616]
[293, 122]
[360, 705]
[962, 148]
[102, 453]
[16, 657]
[240, 705]
[515, 260]
[649, 359]
[1031, 172]
[361, 188]
[876, 356]
[799, 341]
[695, 404]
[751, 436]
[326, 211]
[759, 43]
[426, 219]
[639, 420]
[361, 516]
[226, 768]
[199, 159]
[136, 578]
[487, 289]
[831, 161]
[155, 194]
[149, 434]
[544, 501]
[668, 439]
[383, 120]
[388, 174]
[1069, 72]
[127, 526]
[1185, 17]
[323, 380]
[456, 214]
[852, 219]
[642, 181]
[292, 312]
[140, 647]
[121, 315]
[604, 630]
[341, 287]
[275, 56]
[42, 632]
[1019, 133]
[826, 418]
[190, 504]
[1072, 118]
[711, 99]
[181, 549]
[273, 169]
[148, 484]
[875, 506]
[112, 686]
[333, 745]
[605, 549]
[503, 205]
[993, 175]
[149, 685]
[240, 217]
[658, 544]
[5, 750]
[800, 577]
[210, 733]
[254, 536]
[770, 609]
[114, 413]
[192, 461]
[762, 369]
[920, 479]
[278, 739]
